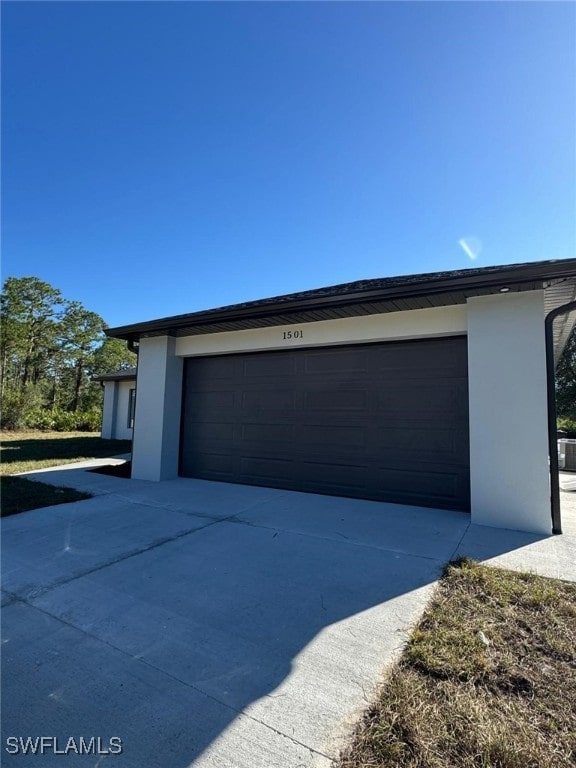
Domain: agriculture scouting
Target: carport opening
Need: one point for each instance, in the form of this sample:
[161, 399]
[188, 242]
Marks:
[561, 370]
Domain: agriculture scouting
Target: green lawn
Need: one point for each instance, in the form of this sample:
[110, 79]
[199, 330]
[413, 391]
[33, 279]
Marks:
[30, 451]
[488, 679]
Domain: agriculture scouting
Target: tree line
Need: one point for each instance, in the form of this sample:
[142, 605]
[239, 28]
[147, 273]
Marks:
[51, 349]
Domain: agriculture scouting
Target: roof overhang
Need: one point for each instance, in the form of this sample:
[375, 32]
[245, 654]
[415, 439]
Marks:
[557, 278]
[129, 374]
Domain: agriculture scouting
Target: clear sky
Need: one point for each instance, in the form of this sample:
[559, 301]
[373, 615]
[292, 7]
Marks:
[161, 158]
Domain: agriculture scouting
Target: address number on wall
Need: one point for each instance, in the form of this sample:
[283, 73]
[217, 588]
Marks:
[293, 335]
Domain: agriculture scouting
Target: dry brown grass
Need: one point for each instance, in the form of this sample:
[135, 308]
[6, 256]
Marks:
[455, 702]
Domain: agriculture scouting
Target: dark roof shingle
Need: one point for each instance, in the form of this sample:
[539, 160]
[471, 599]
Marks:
[357, 298]
[124, 375]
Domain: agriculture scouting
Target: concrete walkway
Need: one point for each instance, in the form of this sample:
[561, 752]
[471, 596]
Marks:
[213, 625]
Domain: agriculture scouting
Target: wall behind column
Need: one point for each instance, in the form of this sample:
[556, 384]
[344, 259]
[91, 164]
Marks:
[109, 409]
[122, 430]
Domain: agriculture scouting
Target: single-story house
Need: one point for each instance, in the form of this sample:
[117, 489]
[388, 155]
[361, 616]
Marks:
[119, 404]
[430, 390]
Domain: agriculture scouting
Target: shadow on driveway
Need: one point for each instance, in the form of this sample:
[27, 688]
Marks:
[208, 624]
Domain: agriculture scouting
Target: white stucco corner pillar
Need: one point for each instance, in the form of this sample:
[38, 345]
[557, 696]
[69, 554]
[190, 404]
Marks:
[109, 409]
[156, 440]
[510, 486]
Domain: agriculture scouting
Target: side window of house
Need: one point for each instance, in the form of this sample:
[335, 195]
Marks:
[131, 407]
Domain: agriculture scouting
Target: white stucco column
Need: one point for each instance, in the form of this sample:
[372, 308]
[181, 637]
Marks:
[509, 473]
[158, 401]
[109, 409]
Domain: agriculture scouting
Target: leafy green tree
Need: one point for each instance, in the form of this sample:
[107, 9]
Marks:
[31, 311]
[81, 331]
[112, 355]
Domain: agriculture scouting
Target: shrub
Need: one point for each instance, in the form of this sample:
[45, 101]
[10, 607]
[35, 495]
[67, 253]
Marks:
[63, 421]
[89, 420]
[568, 425]
[18, 403]
[13, 407]
[38, 418]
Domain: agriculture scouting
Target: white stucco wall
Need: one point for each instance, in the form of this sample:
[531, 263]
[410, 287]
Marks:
[122, 430]
[508, 412]
[115, 410]
[109, 410]
[155, 451]
[416, 324]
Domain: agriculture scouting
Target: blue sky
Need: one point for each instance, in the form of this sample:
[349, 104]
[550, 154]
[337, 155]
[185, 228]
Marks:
[161, 158]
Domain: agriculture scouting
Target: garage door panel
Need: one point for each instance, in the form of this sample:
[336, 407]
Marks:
[211, 432]
[420, 398]
[338, 362]
[267, 433]
[280, 449]
[321, 473]
[437, 360]
[209, 403]
[268, 400]
[326, 399]
[220, 368]
[425, 459]
[272, 365]
[418, 440]
[213, 466]
[325, 436]
[380, 421]
[414, 482]
[274, 471]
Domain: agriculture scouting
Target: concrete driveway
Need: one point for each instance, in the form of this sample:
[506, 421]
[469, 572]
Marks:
[215, 625]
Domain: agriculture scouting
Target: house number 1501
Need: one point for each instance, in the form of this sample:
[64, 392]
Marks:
[293, 335]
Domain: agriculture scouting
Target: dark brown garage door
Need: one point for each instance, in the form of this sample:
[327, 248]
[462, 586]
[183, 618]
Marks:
[378, 421]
